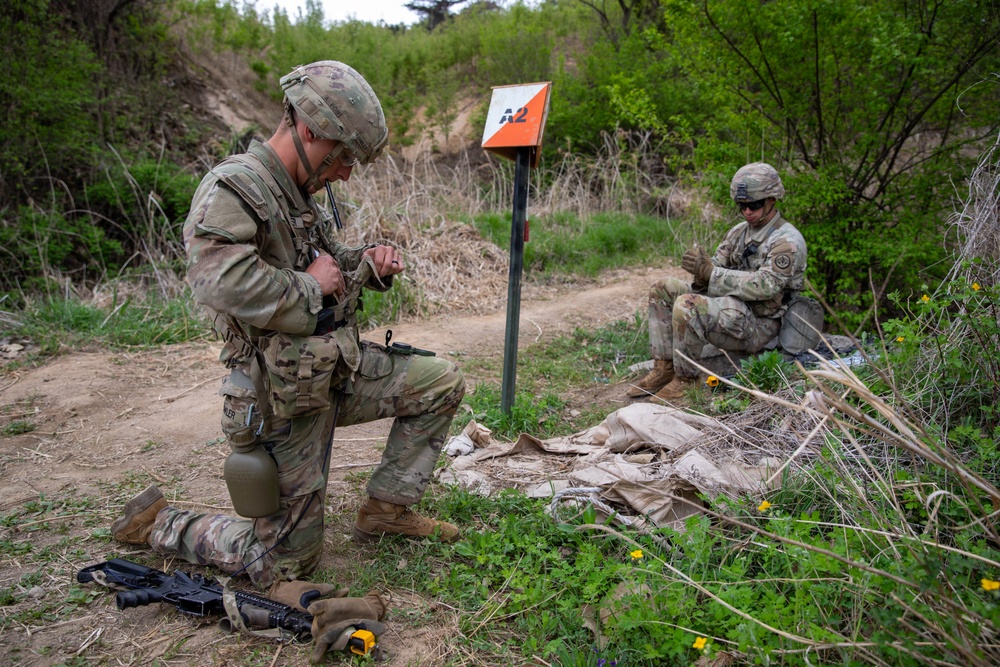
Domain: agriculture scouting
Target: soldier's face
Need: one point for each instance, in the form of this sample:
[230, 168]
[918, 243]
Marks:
[756, 218]
[338, 171]
[317, 149]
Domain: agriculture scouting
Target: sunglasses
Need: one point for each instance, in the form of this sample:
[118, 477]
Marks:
[752, 205]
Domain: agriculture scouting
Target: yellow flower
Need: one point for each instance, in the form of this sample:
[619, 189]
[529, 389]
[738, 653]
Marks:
[925, 298]
[763, 507]
[637, 554]
[990, 585]
[900, 339]
[699, 643]
[712, 381]
[975, 286]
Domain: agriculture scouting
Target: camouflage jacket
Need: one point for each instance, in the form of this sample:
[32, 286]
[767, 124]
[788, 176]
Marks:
[249, 237]
[763, 267]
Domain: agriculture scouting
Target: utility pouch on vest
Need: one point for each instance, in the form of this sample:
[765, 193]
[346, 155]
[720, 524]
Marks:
[301, 370]
[801, 325]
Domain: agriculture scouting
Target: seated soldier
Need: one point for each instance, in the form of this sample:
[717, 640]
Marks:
[738, 295]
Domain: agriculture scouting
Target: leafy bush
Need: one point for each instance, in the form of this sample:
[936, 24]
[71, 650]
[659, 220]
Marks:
[944, 356]
[49, 123]
[37, 242]
[767, 371]
[148, 199]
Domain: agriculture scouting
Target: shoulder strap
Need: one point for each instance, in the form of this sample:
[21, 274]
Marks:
[241, 174]
[247, 177]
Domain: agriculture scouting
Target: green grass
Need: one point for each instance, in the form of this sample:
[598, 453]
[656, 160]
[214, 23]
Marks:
[139, 321]
[16, 427]
[548, 376]
[563, 244]
[382, 308]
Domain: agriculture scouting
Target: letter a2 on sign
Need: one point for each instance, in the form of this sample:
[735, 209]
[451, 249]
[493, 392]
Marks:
[516, 119]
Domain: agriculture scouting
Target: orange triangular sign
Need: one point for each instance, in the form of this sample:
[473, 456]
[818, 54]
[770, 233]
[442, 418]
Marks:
[516, 117]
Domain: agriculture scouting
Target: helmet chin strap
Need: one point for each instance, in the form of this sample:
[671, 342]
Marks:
[770, 212]
[312, 181]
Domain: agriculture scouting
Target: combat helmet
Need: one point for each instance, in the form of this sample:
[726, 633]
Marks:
[754, 181]
[336, 102]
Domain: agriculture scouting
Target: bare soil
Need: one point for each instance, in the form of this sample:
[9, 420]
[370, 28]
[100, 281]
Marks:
[107, 423]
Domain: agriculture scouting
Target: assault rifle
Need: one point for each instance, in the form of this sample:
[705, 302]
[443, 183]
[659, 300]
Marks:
[194, 595]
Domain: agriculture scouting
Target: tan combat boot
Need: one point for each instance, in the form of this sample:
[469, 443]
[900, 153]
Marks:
[140, 513]
[377, 518]
[661, 373]
[675, 389]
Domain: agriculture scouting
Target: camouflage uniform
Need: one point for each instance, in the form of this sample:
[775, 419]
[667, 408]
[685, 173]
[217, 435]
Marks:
[756, 273]
[248, 248]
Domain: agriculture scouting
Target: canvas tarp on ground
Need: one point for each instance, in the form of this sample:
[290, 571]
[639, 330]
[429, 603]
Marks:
[638, 462]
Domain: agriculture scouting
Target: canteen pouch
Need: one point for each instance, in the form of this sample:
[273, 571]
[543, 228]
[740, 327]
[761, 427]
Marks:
[801, 325]
[301, 370]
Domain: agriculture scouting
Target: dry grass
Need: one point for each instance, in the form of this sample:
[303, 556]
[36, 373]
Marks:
[420, 207]
[977, 224]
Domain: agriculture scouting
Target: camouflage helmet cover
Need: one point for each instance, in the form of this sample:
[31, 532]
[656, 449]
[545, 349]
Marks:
[754, 181]
[337, 103]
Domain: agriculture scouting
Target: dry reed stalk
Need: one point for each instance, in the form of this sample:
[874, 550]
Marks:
[978, 223]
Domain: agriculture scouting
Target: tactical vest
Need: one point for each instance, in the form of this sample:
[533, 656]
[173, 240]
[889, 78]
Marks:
[249, 178]
[747, 259]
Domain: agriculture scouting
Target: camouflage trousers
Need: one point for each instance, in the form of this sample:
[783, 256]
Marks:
[422, 393]
[681, 321]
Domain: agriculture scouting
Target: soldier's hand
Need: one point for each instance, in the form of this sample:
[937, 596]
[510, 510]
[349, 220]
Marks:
[326, 270]
[301, 594]
[697, 262]
[387, 260]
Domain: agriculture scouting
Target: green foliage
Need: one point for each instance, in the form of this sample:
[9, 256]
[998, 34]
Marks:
[945, 361]
[48, 99]
[857, 103]
[637, 84]
[151, 198]
[767, 371]
[37, 242]
[81, 80]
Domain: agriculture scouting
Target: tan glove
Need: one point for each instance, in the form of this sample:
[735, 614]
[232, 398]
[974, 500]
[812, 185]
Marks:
[333, 618]
[699, 264]
[300, 594]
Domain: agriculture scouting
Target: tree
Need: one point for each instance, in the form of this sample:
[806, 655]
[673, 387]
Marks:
[435, 12]
[866, 106]
[620, 18]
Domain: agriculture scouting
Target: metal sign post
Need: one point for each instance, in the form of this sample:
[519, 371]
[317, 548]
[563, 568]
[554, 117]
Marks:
[521, 170]
[514, 127]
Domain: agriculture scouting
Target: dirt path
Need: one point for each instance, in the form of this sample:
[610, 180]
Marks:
[108, 422]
